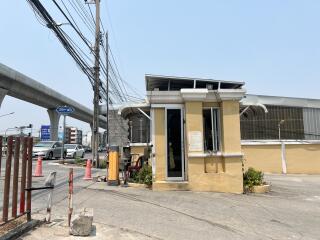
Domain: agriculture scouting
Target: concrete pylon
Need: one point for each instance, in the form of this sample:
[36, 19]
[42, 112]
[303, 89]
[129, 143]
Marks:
[3, 93]
[54, 124]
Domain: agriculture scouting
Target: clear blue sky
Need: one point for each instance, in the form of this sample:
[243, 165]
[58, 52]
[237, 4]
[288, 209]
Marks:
[274, 46]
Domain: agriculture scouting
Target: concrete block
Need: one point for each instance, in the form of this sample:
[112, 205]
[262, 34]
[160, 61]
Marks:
[81, 224]
[261, 189]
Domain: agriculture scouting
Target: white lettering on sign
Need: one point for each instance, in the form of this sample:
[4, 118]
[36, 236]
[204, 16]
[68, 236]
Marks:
[195, 141]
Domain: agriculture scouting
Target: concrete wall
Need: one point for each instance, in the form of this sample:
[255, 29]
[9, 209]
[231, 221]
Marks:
[266, 158]
[217, 173]
[160, 144]
[300, 158]
[137, 151]
[303, 158]
[118, 130]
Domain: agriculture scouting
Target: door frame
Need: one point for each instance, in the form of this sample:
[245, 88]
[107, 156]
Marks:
[181, 108]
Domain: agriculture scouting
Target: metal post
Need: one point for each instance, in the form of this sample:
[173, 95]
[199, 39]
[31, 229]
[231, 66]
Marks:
[96, 87]
[6, 191]
[29, 177]
[64, 137]
[279, 128]
[141, 130]
[15, 177]
[70, 195]
[23, 175]
[0, 153]
[131, 131]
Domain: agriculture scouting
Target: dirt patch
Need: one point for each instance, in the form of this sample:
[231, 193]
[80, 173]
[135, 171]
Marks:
[12, 224]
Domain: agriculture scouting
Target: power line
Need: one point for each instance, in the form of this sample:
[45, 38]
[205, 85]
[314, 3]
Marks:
[118, 87]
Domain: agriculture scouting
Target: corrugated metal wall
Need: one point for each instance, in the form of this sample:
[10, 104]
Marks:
[311, 117]
[139, 127]
[257, 125]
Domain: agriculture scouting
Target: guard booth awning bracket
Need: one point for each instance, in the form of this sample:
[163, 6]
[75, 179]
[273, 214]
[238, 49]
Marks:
[146, 115]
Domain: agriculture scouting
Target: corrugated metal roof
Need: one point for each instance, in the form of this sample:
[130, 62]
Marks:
[172, 83]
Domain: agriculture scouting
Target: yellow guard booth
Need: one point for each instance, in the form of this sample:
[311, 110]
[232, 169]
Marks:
[195, 134]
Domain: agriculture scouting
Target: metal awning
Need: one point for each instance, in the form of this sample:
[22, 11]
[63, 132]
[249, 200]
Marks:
[128, 108]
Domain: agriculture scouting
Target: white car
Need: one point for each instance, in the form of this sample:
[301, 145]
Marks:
[74, 150]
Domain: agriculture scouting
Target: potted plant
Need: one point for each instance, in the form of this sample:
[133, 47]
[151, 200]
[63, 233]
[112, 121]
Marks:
[143, 178]
[253, 181]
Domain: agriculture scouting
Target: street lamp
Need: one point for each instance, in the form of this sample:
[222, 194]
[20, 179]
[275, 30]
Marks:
[8, 129]
[279, 127]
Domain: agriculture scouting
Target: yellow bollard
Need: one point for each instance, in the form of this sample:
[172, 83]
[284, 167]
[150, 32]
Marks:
[113, 173]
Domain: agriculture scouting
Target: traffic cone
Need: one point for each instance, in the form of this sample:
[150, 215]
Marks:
[87, 175]
[38, 172]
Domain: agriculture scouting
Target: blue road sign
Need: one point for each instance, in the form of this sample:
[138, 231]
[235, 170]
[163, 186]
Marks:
[65, 110]
[45, 132]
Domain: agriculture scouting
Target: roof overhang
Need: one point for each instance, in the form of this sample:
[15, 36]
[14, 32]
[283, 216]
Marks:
[255, 100]
[128, 108]
[191, 95]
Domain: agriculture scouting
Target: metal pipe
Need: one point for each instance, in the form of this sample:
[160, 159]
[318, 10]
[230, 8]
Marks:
[6, 191]
[63, 137]
[146, 115]
[141, 130]
[29, 177]
[70, 203]
[23, 175]
[15, 177]
[279, 128]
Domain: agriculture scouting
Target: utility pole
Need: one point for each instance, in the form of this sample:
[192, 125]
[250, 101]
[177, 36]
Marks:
[96, 88]
[107, 86]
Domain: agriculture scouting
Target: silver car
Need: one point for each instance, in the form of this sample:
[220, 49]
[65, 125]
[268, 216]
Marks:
[48, 150]
[74, 150]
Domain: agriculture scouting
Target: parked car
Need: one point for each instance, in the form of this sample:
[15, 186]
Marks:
[87, 149]
[102, 149]
[48, 150]
[74, 150]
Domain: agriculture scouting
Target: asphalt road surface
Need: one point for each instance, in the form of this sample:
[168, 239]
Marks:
[47, 167]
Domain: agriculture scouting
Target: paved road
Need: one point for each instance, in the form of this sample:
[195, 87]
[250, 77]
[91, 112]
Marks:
[48, 166]
[290, 211]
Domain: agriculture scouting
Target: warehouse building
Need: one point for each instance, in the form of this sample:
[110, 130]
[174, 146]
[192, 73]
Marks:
[281, 134]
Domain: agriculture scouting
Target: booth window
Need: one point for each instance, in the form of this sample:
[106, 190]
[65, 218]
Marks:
[211, 126]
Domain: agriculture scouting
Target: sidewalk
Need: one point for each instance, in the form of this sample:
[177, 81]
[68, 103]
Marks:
[58, 230]
[289, 211]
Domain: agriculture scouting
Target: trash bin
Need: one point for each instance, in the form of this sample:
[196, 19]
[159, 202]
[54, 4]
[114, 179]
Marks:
[113, 173]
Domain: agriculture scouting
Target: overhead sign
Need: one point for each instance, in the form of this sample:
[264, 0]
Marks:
[45, 133]
[65, 110]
